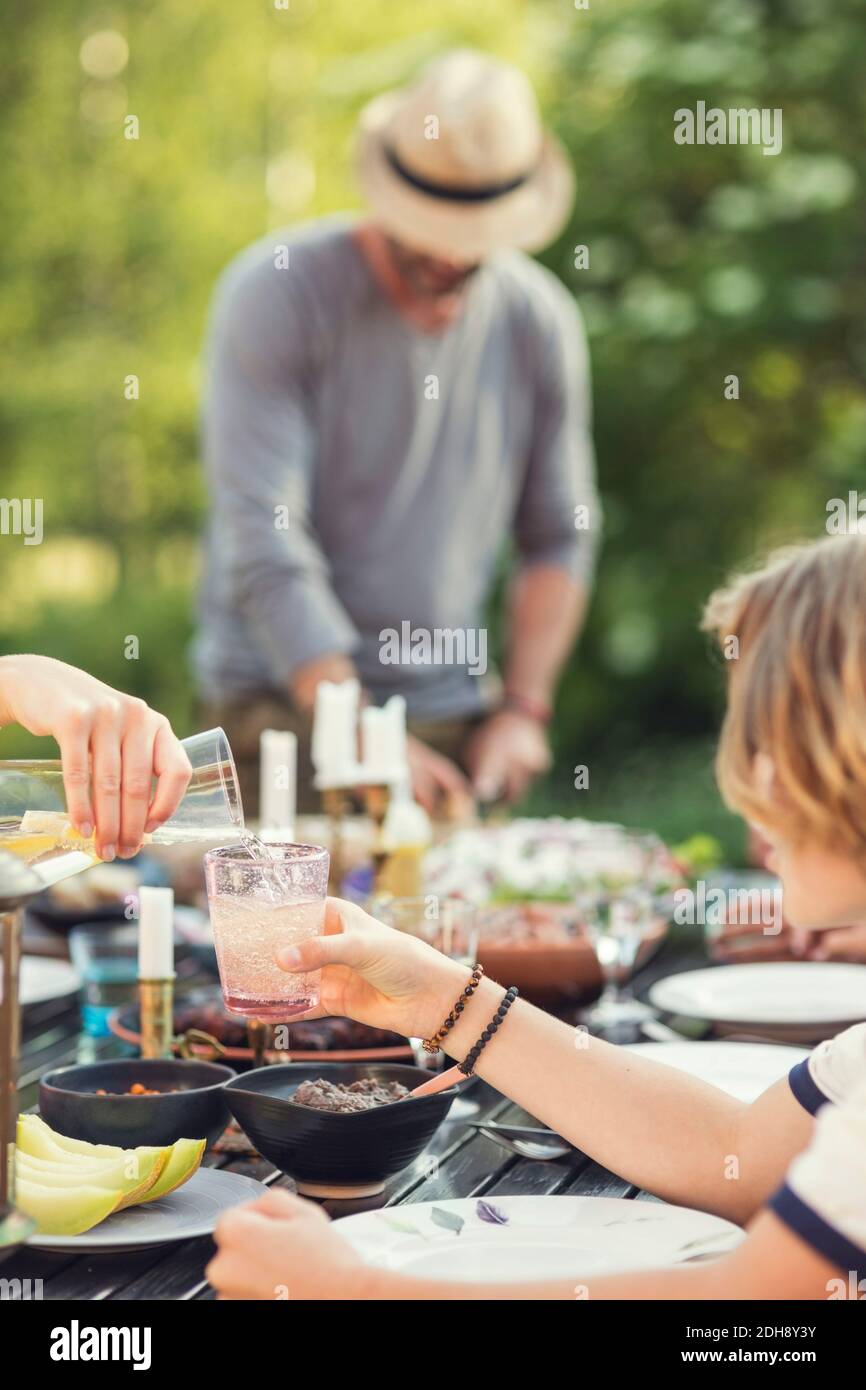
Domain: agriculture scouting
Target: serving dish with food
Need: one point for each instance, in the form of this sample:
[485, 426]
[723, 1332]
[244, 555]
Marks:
[338, 1129]
[526, 878]
[134, 1101]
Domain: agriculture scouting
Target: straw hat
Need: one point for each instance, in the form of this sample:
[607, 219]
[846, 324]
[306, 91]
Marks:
[458, 163]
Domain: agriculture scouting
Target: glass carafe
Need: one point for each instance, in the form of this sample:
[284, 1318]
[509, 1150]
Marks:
[34, 823]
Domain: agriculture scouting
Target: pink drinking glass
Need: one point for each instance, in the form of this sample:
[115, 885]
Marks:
[259, 904]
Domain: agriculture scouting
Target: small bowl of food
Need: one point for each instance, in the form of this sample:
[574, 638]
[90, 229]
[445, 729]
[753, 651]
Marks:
[135, 1101]
[340, 1129]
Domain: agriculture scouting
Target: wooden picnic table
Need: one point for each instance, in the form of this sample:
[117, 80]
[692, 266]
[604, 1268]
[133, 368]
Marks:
[467, 1165]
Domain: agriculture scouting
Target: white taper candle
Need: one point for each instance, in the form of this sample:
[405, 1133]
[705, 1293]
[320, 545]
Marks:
[278, 781]
[155, 933]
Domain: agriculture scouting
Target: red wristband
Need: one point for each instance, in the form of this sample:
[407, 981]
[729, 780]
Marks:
[525, 704]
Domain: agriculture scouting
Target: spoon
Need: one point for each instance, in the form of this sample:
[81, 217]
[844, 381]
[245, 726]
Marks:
[518, 1131]
[528, 1148]
[442, 1082]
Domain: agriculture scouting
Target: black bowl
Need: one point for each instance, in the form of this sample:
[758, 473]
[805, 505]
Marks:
[329, 1153]
[192, 1104]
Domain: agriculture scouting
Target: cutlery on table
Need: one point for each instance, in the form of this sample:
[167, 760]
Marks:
[441, 1082]
[518, 1131]
[543, 1152]
[660, 1032]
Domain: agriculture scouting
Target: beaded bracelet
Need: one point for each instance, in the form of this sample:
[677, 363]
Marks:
[467, 1066]
[434, 1044]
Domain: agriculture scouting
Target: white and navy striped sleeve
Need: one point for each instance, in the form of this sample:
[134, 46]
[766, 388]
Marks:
[831, 1071]
[823, 1197]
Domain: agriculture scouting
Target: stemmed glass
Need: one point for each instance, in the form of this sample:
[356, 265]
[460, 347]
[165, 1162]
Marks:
[614, 895]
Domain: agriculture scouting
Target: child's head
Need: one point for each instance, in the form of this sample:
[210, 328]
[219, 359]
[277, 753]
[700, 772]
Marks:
[792, 756]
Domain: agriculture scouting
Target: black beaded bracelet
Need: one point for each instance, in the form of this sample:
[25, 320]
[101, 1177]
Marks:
[467, 1066]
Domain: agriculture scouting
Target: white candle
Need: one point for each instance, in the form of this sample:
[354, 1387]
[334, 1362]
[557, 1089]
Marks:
[374, 745]
[278, 781]
[384, 743]
[155, 934]
[335, 734]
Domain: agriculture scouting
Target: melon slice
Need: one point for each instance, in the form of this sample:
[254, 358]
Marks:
[134, 1170]
[65, 1211]
[133, 1174]
[184, 1160]
[141, 1175]
[39, 1140]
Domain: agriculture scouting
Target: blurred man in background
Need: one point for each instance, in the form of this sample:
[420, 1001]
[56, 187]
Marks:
[390, 403]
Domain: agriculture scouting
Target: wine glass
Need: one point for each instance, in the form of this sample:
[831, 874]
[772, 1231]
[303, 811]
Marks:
[615, 897]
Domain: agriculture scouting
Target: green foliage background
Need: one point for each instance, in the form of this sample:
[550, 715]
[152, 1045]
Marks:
[704, 261]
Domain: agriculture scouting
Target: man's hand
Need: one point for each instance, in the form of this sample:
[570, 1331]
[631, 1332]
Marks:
[505, 754]
[436, 780]
[333, 667]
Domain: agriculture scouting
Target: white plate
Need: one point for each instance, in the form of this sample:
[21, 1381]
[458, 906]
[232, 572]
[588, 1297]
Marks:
[193, 1210]
[43, 978]
[744, 1070]
[520, 1238]
[776, 993]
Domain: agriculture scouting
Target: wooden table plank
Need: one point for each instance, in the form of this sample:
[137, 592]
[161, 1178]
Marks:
[178, 1275]
[528, 1178]
[36, 1264]
[595, 1181]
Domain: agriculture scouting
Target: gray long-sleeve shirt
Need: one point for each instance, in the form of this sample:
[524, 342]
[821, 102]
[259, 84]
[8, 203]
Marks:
[363, 474]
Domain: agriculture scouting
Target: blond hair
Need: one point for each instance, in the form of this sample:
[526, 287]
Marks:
[797, 691]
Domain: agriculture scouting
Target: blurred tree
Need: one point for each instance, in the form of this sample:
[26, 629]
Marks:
[707, 263]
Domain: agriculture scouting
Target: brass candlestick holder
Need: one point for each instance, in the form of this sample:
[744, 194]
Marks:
[376, 800]
[156, 1007]
[336, 804]
[258, 1035]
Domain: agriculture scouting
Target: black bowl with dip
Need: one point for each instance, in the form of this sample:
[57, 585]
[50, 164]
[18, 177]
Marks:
[190, 1105]
[329, 1153]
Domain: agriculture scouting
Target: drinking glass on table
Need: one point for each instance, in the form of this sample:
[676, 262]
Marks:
[617, 904]
[450, 925]
[260, 902]
[106, 957]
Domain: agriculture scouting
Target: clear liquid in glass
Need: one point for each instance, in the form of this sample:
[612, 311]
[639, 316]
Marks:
[248, 934]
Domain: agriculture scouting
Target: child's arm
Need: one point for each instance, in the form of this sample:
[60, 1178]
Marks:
[653, 1125]
[657, 1127]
